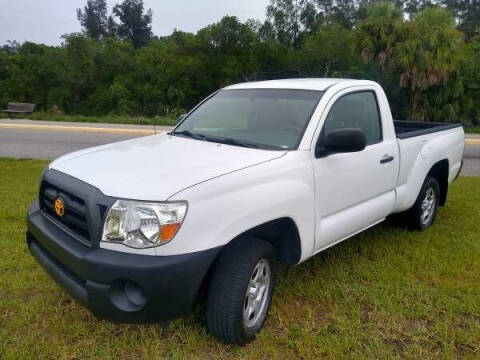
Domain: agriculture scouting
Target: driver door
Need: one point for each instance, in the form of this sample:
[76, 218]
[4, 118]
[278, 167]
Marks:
[353, 190]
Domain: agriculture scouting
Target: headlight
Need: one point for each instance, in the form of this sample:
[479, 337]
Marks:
[143, 225]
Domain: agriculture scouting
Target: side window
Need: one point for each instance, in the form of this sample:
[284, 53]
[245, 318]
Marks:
[357, 110]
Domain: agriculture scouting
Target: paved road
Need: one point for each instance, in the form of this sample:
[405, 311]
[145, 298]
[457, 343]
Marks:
[36, 139]
[37, 143]
[471, 160]
[42, 144]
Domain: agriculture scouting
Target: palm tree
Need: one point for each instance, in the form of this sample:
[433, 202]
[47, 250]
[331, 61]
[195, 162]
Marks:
[426, 54]
[375, 36]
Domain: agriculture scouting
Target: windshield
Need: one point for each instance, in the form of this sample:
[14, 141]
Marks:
[261, 118]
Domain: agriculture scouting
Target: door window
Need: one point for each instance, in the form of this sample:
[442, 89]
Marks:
[356, 110]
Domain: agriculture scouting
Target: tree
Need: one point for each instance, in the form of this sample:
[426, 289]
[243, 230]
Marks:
[422, 52]
[469, 75]
[377, 35]
[11, 46]
[468, 15]
[309, 17]
[426, 54]
[349, 12]
[289, 18]
[231, 46]
[94, 18]
[229, 35]
[419, 59]
[134, 24]
[344, 13]
[112, 28]
[328, 51]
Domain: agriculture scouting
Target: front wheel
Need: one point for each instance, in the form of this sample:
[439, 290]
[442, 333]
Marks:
[241, 290]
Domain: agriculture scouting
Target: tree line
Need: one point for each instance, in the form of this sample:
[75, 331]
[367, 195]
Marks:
[426, 54]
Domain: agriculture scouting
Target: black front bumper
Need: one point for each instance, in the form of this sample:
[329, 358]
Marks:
[115, 285]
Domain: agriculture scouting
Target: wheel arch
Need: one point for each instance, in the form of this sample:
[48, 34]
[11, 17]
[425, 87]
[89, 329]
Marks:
[282, 233]
[439, 171]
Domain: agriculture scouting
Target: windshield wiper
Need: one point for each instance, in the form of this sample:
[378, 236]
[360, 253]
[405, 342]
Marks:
[220, 140]
[237, 142]
[230, 141]
[189, 134]
[223, 140]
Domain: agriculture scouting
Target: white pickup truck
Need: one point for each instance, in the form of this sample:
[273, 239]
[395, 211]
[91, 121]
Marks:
[257, 173]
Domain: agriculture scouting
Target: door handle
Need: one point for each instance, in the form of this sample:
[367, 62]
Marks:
[386, 158]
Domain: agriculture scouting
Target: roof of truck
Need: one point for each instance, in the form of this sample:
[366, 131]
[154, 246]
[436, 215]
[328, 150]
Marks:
[320, 84]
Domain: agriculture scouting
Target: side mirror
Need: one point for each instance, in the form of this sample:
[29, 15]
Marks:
[342, 141]
[181, 117]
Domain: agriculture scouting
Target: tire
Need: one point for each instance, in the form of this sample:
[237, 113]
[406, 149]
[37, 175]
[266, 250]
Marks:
[423, 212]
[230, 315]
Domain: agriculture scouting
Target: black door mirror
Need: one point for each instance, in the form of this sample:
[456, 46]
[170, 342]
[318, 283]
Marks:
[181, 117]
[342, 141]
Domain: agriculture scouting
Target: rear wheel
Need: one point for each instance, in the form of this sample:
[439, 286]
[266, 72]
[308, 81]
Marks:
[241, 290]
[423, 212]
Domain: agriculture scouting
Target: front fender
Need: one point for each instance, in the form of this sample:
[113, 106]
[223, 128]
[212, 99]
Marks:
[223, 208]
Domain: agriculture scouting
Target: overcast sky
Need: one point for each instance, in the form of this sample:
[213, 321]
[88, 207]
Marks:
[45, 21]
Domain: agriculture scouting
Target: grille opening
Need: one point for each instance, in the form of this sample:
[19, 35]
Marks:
[75, 216]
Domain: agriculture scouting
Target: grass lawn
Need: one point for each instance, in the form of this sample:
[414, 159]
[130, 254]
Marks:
[472, 130]
[109, 119]
[386, 293]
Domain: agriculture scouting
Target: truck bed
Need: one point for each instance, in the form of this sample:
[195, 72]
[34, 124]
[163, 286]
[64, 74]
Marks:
[408, 129]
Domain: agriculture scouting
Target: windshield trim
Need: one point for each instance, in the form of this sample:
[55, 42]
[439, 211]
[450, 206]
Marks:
[172, 132]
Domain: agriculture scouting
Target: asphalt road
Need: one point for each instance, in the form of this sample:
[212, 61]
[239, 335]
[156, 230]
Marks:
[49, 144]
[471, 160]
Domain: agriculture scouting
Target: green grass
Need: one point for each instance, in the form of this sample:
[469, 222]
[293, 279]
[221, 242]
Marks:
[109, 119]
[472, 130]
[386, 293]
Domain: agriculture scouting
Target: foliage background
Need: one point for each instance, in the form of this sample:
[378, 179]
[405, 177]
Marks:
[426, 54]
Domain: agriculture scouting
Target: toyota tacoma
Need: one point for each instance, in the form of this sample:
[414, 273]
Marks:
[258, 173]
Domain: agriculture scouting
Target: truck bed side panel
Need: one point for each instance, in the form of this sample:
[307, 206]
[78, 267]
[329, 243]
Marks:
[419, 154]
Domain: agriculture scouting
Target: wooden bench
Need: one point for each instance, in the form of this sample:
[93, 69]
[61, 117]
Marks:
[19, 108]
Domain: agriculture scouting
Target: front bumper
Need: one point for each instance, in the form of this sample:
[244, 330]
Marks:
[114, 285]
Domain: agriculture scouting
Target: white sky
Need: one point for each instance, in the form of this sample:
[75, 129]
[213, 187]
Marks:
[45, 21]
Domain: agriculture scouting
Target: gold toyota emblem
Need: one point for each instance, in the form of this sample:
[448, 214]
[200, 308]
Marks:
[59, 207]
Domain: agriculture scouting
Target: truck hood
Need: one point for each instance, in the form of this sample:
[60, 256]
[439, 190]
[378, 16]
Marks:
[156, 167]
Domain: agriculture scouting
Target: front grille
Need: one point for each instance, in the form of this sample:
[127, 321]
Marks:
[75, 210]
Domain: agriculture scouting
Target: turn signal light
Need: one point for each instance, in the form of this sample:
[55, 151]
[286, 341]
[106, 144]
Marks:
[168, 231]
